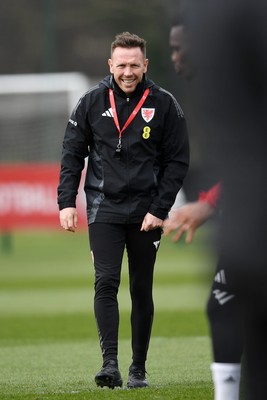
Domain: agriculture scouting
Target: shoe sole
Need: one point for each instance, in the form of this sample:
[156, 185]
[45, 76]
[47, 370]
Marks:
[107, 380]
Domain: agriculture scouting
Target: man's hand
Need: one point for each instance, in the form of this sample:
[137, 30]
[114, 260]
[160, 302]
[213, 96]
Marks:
[151, 222]
[69, 219]
[187, 219]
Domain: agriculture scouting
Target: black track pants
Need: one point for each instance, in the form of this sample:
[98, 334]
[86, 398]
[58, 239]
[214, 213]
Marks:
[107, 242]
[225, 316]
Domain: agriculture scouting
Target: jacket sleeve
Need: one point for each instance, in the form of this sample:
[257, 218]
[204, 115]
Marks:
[212, 196]
[74, 151]
[174, 160]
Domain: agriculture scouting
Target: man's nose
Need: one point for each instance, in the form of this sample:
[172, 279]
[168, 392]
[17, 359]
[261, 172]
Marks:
[128, 71]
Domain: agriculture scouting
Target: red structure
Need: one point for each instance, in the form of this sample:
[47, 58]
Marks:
[28, 197]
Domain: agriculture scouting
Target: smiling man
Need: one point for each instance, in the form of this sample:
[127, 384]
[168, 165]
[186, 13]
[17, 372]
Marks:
[128, 66]
[135, 135]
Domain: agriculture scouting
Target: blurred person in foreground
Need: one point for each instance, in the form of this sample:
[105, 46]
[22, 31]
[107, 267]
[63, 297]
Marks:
[223, 307]
[228, 42]
[135, 135]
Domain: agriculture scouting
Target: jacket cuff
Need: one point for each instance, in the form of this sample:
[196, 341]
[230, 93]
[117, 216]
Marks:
[211, 196]
[158, 212]
[66, 205]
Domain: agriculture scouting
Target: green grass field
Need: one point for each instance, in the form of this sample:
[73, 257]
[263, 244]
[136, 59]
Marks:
[48, 340]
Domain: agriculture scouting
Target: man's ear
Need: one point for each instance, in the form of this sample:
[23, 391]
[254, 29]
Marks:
[110, 65]
[146, 64]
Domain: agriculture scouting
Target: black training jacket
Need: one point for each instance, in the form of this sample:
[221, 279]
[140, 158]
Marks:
[152, 164]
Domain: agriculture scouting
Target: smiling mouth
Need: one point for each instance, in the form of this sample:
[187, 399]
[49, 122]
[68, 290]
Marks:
[128, 81]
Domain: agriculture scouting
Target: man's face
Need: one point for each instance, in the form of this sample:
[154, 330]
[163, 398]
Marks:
[128, 67]
[177, 48]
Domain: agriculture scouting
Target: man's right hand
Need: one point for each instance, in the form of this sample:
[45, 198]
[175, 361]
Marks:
[69, 219]
[187, 219]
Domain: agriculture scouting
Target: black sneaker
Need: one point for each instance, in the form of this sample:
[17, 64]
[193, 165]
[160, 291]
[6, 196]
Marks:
[136, 378]
[109, 375]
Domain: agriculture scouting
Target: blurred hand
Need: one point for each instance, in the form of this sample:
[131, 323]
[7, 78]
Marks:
[151, 222]
[187, 219]
[69, 219]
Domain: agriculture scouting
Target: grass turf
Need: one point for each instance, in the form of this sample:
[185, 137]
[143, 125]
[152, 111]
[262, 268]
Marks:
[48, 341]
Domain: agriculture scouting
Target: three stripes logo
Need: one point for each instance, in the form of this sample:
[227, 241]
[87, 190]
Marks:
[108, 113]
[231, 379]
[220, 295]
[156, 244]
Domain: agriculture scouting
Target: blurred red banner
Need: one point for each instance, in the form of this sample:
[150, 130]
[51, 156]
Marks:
[28, 197]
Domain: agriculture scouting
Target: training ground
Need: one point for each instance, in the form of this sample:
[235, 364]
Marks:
[49, 347]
